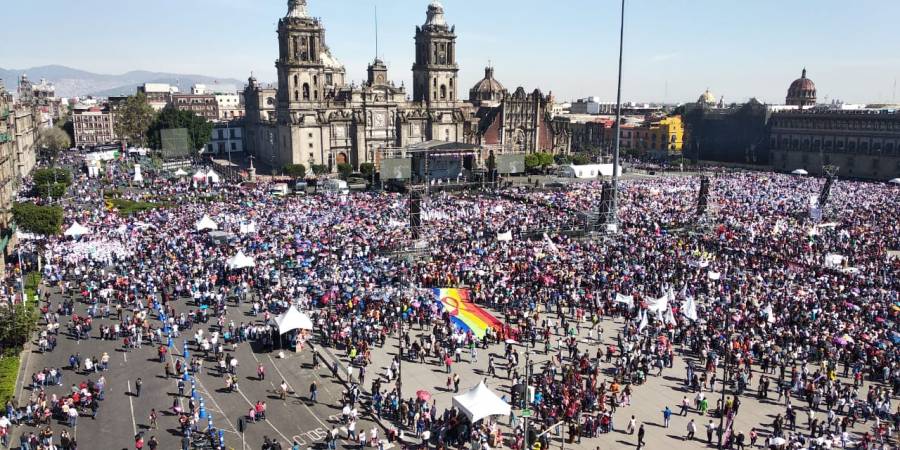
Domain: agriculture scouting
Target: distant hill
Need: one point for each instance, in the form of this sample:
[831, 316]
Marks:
[73, 82]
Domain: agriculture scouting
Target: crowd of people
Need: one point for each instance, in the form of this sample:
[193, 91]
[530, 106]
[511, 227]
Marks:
[805, 308]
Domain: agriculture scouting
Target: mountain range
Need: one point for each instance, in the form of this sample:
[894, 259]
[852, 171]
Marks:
[71, 82]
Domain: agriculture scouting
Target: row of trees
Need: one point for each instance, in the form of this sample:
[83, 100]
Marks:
[139, 124]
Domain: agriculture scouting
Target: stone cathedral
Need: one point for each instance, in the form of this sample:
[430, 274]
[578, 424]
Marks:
[315, 117]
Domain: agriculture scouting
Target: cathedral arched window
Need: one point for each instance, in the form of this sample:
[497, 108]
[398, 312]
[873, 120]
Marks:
[443, 92]
[315, 95]
[296, 96]
[315, 80]
[296, 80]
[305, 91]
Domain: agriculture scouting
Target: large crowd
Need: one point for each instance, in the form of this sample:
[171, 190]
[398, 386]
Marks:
[799, 308]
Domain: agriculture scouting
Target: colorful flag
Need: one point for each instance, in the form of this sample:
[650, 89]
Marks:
[465, 314]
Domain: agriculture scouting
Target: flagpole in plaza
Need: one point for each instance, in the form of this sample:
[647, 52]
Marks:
[613, 213]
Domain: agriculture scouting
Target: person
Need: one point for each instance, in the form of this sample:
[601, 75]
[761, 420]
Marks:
[691, 430]
[313, 391]
[153, 417]
[640, 437]
[685, 403]
[152, 444]
[260, 372]
[137, 387]
[631, 425]
[667, 415]
[710, 428]
[282, 390]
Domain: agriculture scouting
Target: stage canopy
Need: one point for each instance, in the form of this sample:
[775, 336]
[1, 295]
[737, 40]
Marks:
[800, 172]
[76, 230]
[480, 402]
[293, 320]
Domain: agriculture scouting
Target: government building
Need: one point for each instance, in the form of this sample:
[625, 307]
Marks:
[313, 117]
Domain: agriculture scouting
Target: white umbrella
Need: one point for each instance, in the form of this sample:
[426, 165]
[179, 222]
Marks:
[800, 172]
[895, 181]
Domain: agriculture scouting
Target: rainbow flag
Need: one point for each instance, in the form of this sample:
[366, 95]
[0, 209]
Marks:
[464, 313]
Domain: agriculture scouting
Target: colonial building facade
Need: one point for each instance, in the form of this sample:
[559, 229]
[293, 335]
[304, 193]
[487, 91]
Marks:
[862, 144]
[314, 117]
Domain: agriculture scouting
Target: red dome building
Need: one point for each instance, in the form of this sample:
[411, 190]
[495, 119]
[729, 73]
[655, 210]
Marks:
[802, 92]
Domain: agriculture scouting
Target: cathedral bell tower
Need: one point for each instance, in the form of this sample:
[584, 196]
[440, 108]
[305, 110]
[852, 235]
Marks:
[435, 70]
[306, 69]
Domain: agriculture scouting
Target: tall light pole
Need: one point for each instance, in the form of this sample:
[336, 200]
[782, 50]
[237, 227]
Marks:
[614, 199]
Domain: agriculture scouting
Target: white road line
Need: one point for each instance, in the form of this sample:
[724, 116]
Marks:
[125, 355]
[131, 404]
[213, 400]
[286, 439]
[282, 375]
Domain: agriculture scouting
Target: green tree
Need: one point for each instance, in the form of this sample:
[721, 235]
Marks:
[46, 220]
[199, 129]
[65, 124]
[51, 141]
[319, 169]
[295, 170]
[16, 325]
[367, 170]
[581, 159]
[52, 176]
[545, 159]
[532, 161]
[344, 170]
[134, 118]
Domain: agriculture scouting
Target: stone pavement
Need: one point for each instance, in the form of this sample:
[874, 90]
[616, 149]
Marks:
[647, 403]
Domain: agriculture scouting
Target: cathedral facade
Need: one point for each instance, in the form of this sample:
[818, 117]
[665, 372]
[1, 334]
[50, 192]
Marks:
[314, 117]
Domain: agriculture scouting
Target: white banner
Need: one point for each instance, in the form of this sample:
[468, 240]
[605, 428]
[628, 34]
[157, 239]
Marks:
[504, 237]
[689, 309]
[625, 299]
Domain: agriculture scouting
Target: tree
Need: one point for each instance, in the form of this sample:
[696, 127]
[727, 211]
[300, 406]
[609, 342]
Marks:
[581, 159]
[51, 182]
[295, 170]
[46, 220]
[17, 322]
[367, 170]
[134, 118]
[532, 161]
[545, 159]
[65, 124]
[344, 170]
[199, 129]
[51, 141]
[319, 169]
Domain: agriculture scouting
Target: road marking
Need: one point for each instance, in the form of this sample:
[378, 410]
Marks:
[125, 355]
[282, 375]
[131, 404]
[288, 441]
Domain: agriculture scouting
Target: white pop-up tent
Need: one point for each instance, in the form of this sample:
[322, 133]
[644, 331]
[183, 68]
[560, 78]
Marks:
[206, 224]
[138, 176]
[480, 402]
[240, 261]
[76, 230]
[248, 227]
[293, 320]
[213, 177]
[180, 173]
[800, 172]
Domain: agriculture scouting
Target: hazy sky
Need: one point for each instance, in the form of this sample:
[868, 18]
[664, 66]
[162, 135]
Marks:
[673, 49]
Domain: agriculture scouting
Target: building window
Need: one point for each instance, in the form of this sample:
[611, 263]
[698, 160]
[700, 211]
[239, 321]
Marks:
[306, 91]
[233, 146]
[296, 96]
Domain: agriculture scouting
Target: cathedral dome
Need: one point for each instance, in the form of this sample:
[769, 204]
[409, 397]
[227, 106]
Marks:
[707, 98]
[802, 92]
[488, 89]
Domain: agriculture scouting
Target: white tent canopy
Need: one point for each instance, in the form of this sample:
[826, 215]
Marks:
[480, 402]
[200, 175]
[138, 176]
[248, 227]
[800, 172]
[240, 261]
[293, 320]
[213, 177]
[76, 230]
[180, 173]
[895, 181]
[206, 224]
